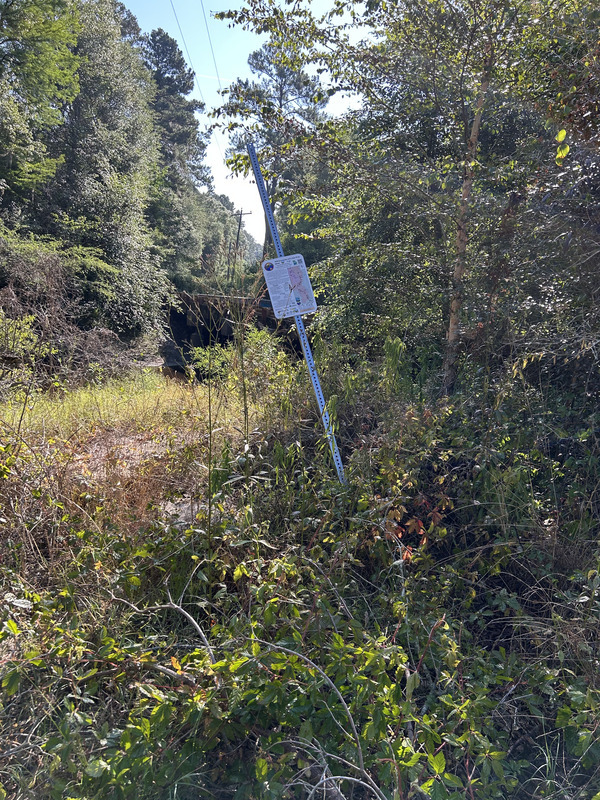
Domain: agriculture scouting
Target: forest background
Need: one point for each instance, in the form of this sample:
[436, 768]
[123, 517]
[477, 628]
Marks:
[191, 605]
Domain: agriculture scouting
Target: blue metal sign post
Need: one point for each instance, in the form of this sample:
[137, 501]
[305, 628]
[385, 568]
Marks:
[312, 370]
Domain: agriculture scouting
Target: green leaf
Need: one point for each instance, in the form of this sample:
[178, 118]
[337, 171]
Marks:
[12, 627]
[411, 761]
[437, 762]
[439, 791]
[10, 682]
[453, 780]
[261, 769]
[306, 731]
[412, 682]
[562, 151]
[269, 615]
[563, 716]
[498, 769]
[160, 716]
[90, 673]
[96, 767]
[560, 136]
[235, 665]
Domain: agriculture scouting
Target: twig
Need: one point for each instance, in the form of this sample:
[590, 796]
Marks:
[176, 676]
[196, 625]
[437, 625]
[367, 780]
[190, 619]
[174, 607]
[330, 778]
[13, 751]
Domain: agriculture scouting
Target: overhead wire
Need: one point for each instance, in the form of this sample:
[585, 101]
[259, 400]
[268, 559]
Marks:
[192, 65]
[187, 52]
[212, 50]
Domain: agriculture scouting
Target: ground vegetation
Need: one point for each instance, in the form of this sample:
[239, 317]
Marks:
[192, 605]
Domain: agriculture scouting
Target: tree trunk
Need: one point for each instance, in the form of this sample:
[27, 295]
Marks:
[462, 239]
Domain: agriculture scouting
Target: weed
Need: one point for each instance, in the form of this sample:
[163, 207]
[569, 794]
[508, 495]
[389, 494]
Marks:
[428, 630]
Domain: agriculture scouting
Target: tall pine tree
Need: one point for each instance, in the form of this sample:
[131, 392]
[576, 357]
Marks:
[100, 193]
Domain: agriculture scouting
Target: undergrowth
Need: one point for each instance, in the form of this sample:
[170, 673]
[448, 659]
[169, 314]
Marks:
[430, 630]
[140, 401]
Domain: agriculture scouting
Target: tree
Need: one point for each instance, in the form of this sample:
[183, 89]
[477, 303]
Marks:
[176, 213]
[182, 146]
[273, 112]
[193, 228]
[37, 75]
[443, 68]
[439, 89]
[109, 150]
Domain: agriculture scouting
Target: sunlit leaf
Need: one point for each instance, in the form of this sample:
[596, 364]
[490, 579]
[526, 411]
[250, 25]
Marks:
[96, 767]
[437, 762]
[176, 665]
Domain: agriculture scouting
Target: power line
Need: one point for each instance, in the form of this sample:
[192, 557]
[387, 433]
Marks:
[187, 53]
[192, 66]
[211, 45]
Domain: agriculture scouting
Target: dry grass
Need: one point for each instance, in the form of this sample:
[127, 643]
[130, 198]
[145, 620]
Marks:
[142, 401]
[128, 446]
[127, 453]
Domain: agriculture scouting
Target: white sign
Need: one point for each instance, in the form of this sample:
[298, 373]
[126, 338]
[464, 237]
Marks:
[289, 286]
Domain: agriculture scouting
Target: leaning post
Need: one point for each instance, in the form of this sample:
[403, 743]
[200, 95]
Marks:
[291, 295]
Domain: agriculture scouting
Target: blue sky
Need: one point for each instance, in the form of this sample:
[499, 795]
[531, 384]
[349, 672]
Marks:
[232, 46]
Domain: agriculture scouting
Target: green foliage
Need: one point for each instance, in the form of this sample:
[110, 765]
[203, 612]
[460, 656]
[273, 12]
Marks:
[193, 607]
[53, 301]
[21, 353]
[262, 111]
[182, 147]
[194, 231]
[430, 628]
[102, 152]
[442, 205]
[37, 75]
[267, 372]
[212, 362]
[98, 197]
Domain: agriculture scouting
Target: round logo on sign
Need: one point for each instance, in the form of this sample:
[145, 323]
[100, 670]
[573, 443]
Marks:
[269, 266]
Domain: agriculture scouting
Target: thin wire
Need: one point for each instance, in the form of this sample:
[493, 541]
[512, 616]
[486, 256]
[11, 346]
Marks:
[192, 66]
[187, 53]
[211, 45]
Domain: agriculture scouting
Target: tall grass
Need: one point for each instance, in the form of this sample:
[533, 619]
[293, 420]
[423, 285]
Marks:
[142, 401]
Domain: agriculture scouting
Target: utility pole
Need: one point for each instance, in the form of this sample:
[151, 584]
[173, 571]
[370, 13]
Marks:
[239, 214]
